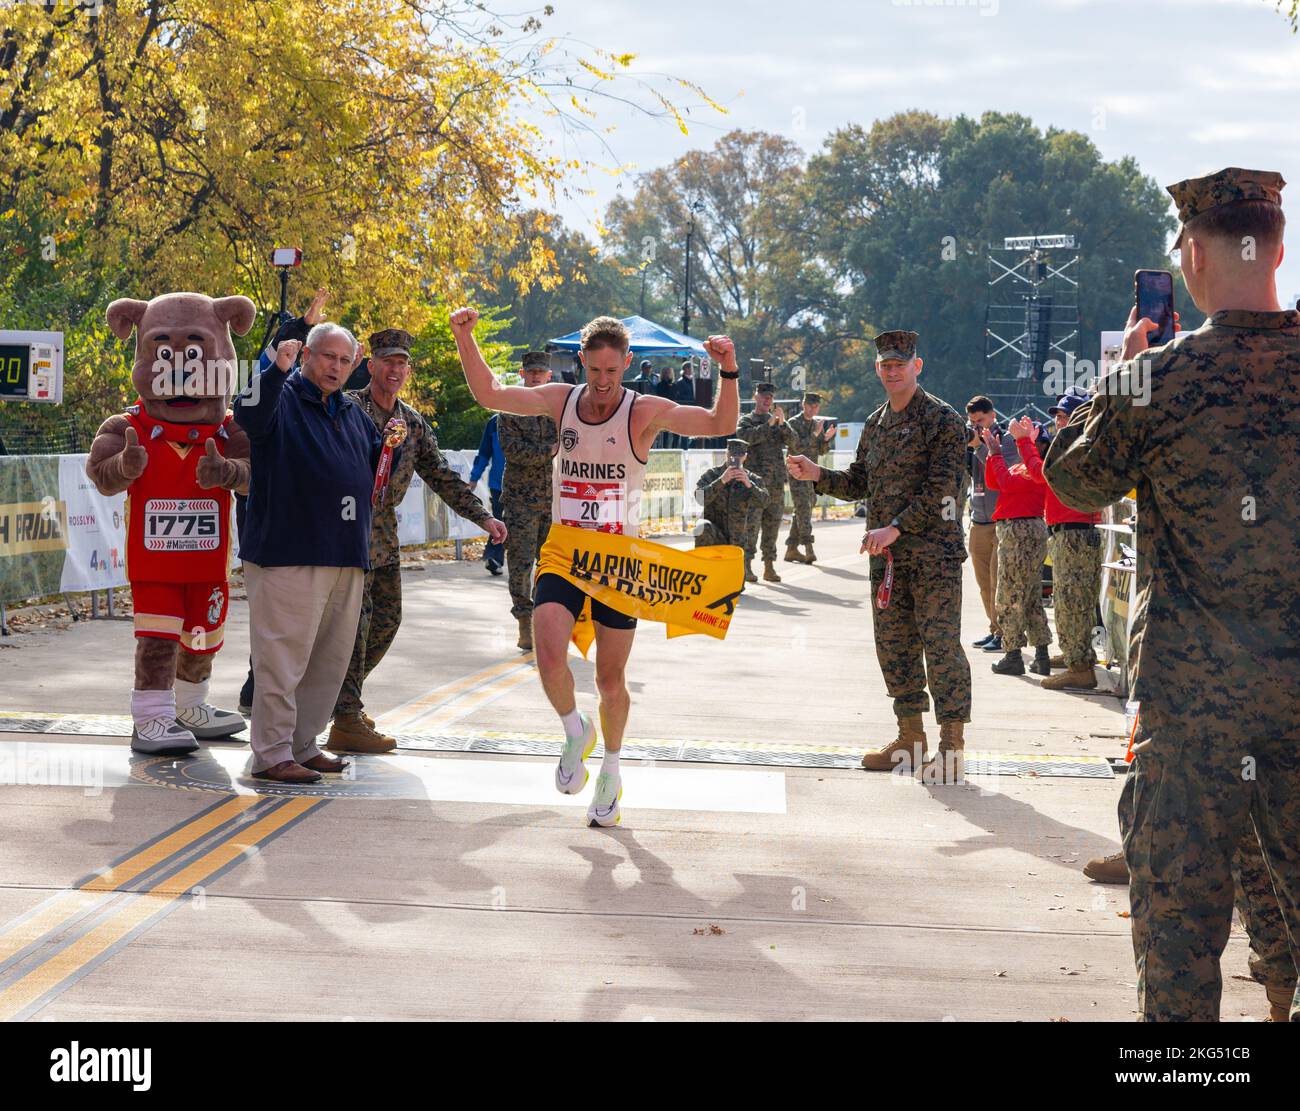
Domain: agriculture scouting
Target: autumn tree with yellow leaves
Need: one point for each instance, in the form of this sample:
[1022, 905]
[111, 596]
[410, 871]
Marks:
[151, 145]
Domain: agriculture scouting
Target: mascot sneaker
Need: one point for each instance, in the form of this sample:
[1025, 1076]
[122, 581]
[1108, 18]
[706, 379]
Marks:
[207, 723]
[162, 737]
[571, 773]
[604, 810]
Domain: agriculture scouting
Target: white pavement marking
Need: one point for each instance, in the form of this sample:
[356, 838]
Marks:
[497, 782]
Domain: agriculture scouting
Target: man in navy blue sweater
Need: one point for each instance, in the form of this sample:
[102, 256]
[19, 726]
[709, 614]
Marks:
[306, 545]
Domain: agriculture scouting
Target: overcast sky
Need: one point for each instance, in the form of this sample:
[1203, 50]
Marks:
[1185, 86]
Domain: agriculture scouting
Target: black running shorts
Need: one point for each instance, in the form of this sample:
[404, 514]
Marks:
[556, 588]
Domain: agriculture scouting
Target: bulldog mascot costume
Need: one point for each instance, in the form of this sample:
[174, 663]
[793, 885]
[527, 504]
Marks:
[178, 456]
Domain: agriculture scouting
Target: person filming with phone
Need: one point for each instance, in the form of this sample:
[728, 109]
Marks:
[1213, 449]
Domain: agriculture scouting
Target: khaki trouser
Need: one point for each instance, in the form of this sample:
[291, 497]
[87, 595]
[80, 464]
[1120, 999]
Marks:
[984, 555]
[302, 625]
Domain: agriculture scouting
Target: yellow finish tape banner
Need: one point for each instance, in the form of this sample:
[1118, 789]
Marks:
[691, 591]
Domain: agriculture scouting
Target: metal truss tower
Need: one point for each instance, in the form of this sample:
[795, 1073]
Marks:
[1032, 316]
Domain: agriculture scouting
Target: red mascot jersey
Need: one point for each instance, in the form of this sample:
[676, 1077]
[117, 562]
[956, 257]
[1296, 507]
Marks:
[176, 531]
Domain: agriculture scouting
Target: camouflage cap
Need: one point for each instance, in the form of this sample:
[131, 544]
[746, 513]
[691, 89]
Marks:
[1197, 195]
[535, 360]
[764, 387]
[390, 341]
[810, 398]
[737, 446]
[898, 344]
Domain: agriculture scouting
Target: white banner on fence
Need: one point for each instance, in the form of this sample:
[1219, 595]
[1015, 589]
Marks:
[411, 525]
[96, 555]
[457, 527]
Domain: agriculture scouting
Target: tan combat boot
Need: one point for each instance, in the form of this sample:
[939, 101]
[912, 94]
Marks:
[948, 765]
[809, 555]
[1080, 678]
[792, 554]
[526, 634]
[350, 733]
[1107, 869]
[1279, 1003]
[750, 577]
[769, 572]
[910, 742]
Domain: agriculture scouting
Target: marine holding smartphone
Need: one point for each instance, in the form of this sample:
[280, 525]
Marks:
[733, 499]
[1214, 452]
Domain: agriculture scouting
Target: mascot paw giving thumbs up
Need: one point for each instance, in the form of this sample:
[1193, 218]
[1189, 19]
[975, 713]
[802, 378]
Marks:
[178, 456]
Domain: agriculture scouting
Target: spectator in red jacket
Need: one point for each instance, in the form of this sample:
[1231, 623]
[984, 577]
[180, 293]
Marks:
[1022, 546]
[1075, 546]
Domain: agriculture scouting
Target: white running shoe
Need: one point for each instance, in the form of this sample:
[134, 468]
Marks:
[571, 773]
[162, 737]
[208, 723]
[604, 809]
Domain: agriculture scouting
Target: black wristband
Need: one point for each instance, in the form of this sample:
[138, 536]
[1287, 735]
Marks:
[732, 374]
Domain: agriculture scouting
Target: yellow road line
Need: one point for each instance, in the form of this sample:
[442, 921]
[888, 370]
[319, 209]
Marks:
[431, 700]
[69, 903]
[68, 961]
[464, 706]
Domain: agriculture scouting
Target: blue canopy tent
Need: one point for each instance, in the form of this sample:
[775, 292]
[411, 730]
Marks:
[648, 338]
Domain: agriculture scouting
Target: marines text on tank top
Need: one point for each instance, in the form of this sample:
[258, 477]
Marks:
[598, 477]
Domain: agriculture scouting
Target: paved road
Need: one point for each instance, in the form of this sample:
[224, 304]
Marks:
[459, 885]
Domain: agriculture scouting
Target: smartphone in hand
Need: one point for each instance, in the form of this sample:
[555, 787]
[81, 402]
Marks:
[1153, 296]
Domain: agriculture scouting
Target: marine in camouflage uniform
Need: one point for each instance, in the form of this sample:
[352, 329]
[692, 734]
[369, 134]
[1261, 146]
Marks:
[1076, 584]
[1215, 457]
[911, 466]
[811, 440]
[381, 602]
[765, 429]
[528, 443]
[732, 510]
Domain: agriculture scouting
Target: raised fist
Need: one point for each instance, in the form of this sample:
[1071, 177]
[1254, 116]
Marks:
[722, 351]
[803, 468]
[316, 310]
[286, 353]
[132, 458]
[214, 470]
[463, 321]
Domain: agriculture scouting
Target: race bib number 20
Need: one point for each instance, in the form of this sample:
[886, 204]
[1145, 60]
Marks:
[593, 505]
[172, 525]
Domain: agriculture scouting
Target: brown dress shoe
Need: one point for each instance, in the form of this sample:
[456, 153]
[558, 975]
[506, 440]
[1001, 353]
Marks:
[910, 742]
[288, 771]
[322, 763]
[350, 733]
[1107, 869]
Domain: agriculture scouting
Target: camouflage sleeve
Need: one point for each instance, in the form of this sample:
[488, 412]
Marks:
[1097, 458]
[941, 489]
[753, 430]
[851, 483]
[756, 488]
[526, 441]
[432, 466]
[786, 434]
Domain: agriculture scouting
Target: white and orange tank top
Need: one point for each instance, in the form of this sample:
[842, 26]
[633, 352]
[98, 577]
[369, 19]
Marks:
[598, 476]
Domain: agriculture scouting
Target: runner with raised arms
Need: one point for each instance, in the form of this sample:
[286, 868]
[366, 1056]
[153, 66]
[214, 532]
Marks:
[605, 433]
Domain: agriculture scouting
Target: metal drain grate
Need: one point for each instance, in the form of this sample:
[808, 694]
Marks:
[760, 753]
